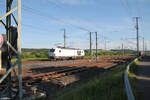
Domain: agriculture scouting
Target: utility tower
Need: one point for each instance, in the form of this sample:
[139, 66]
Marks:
[122, 49]
[91, 52]
[13, 42]
[96, 47]
[137, 31]
[91, 44]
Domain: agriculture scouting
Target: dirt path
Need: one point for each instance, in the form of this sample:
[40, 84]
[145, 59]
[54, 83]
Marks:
[144, 77]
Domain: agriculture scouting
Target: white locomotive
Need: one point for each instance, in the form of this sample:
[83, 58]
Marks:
[66, 53]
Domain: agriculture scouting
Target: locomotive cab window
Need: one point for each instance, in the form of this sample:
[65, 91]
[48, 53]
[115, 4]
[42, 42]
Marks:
[52, 50]
[79, 52]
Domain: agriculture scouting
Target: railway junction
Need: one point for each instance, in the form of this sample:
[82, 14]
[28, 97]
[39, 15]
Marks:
[44, 77]
[89, 70]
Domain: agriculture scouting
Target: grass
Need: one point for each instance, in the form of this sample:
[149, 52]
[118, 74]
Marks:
[31, 59]
[108, 87]
[133, 80]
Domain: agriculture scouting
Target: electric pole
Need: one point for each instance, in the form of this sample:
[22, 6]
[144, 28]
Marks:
[105, 44]
[143, 44]
[96, 46]
[145, 47]
[64, 38]
[122, 49]
[137, 31]
[8, 33]
[91, 44]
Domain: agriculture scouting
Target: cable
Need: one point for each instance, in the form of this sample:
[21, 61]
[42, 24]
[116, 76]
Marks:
[58, 20]
[51, 2]
[126, 6]
[61, 8]
[137, 7]
[139, 12]
[33, 27]
[127, 3]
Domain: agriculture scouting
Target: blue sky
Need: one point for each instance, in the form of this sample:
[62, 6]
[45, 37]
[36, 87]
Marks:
[43, 21]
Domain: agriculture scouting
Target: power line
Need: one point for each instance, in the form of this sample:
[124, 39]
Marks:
[137, 8]
[51, 2]
[127, 3]
[126, 6]
[50, 16]
[35, 27]
[58, 20]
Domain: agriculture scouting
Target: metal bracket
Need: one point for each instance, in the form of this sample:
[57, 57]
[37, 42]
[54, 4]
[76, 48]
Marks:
[12, 67]
[8, 13]
[14, 19]
[3, 24]
[12, 48]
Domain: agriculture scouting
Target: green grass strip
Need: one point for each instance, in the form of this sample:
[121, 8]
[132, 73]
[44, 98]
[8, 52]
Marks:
[133, 80]
[109, 87]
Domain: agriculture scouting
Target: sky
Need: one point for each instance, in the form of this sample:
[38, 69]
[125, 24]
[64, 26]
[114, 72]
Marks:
[43, 22]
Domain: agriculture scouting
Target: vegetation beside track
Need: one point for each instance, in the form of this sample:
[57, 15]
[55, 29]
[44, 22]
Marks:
[32, 59]
[34, 53]
[42, 54]
[109, 86]
[133, 80]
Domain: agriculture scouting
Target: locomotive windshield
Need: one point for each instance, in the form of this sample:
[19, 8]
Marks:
[79, 52]
[52, 50]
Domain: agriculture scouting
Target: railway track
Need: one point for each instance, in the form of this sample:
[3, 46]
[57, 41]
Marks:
[31, 80]
[52, 75]
[70, 69]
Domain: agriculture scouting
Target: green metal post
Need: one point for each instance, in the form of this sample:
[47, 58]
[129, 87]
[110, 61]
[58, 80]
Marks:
[19, 50]
[8, 33]
[96, 46]
[91, 45]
